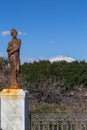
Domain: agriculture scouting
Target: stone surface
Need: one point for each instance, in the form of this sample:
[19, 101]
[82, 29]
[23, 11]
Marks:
[14, 109]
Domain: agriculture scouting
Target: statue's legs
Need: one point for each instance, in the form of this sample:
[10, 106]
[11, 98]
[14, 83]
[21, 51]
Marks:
[14, 68]
[13, 73]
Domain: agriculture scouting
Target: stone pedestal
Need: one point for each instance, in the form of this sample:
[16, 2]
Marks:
[14, 109]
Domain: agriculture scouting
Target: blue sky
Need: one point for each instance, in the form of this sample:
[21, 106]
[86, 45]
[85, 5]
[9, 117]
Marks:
[47, 28]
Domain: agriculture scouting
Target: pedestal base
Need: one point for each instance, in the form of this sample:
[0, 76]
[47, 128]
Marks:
[14, 109]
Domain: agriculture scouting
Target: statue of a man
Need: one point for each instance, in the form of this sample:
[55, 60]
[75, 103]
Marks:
[14, 58]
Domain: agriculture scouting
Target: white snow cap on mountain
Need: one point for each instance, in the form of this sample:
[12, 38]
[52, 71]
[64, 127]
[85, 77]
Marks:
[61, 58]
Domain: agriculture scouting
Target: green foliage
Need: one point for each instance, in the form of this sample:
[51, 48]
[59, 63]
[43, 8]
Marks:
[44, 76]
[34, 72]
[47, 82]
[4, 73]
[68, 75]
[3, 62]
[44, 108]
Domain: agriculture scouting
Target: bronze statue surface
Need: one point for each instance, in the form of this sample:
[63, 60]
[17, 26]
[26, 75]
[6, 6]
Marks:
[13, 50]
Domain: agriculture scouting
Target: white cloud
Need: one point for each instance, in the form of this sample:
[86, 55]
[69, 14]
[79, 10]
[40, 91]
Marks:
[27, 60]
[19, 33]
[42, 58]
[31, 60]
[61, 58]
[7, 33]
[22, 33]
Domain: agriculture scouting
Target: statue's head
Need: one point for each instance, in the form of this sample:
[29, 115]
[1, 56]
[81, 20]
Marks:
[14, 32]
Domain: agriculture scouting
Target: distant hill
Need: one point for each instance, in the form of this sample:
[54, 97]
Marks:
[61, 58]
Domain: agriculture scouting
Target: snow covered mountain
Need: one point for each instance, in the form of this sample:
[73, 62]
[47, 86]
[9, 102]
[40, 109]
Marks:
[61, 58]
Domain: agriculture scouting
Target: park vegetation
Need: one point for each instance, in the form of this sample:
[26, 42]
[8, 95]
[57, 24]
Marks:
[47, 82]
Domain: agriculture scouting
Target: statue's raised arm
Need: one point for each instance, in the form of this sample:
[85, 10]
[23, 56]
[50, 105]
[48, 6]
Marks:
[13, 50]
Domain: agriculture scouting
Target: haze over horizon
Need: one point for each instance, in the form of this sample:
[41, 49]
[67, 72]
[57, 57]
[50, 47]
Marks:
[47, 28]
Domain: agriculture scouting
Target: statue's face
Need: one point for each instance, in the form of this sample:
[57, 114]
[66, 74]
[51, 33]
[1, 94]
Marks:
[14, 34]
